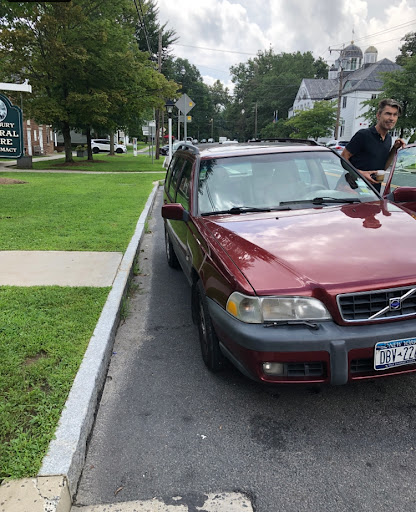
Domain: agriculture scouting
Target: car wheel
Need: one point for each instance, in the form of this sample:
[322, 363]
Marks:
[95, 150]
[210, 347]
[170, 252]
[119, 150]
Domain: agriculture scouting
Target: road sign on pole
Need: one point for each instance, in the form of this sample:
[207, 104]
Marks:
[185, 105]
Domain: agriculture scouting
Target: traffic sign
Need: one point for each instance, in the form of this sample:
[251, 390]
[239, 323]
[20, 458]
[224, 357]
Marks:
[185, 104]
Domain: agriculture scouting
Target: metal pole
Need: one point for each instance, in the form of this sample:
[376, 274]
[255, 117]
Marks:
[170, 137]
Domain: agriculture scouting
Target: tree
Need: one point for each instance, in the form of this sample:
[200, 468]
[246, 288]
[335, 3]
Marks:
[316, 123]
[82, 61]
[408, 48]
[189, 78]
[399, 85]
[266, 84]
[147, 32]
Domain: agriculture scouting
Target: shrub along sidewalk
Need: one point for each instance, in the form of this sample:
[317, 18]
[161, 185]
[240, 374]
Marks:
[44, 331]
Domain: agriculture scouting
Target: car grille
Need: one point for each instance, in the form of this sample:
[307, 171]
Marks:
[362, 365]
[360, 307]
[314, 369]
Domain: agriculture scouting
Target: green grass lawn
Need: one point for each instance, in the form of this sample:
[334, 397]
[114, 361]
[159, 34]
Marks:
[72, 212]
[106, 163]
[44, 331]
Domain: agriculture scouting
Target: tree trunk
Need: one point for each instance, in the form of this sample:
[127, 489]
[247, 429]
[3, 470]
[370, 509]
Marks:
[112, 143]
[90, 157]
[66, 132]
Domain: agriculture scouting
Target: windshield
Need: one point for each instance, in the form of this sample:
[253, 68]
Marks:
[272, 180]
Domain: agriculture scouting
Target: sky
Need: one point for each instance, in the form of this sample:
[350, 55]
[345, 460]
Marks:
[216, 34]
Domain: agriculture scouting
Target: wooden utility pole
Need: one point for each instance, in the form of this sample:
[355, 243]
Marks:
[338, 104]
[159, 66]
[341, 76]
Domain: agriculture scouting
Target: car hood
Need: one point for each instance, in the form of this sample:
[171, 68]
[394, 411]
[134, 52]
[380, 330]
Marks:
[336, 248]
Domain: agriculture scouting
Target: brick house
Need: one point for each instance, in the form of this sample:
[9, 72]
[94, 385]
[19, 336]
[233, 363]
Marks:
[38, 138]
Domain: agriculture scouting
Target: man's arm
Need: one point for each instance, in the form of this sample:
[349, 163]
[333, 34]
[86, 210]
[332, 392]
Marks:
[367, 174]
[398, 144]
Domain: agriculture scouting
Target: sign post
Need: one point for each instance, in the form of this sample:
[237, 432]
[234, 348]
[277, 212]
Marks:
[185, 105]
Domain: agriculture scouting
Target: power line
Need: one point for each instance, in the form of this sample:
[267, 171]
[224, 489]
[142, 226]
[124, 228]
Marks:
[391, 29]
[213, 49]
[143, 25]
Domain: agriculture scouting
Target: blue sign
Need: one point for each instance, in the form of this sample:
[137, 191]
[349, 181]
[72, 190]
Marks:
[11, 129]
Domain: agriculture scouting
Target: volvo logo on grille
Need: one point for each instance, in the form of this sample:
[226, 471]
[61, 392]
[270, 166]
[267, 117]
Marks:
[395, 304]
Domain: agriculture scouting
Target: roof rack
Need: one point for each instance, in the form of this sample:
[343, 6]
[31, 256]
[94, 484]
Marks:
[308, 142]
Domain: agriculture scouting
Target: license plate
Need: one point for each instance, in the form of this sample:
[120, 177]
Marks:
[388, 354]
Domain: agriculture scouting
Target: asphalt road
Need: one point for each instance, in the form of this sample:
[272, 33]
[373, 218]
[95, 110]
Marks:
[167, 427]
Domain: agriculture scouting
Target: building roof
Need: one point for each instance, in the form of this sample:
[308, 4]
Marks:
[318, 88]
[350, 51]
[365, 79]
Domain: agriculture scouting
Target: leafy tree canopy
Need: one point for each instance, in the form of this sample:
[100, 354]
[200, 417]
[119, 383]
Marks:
[315, 123]
[408, 48]
[82, 61]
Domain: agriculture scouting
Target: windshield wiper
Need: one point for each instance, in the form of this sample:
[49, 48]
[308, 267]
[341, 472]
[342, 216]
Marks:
[322, 200]
[327, 199]
[236, 210]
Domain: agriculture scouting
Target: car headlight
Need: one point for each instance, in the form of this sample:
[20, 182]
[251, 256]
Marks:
[256, 310]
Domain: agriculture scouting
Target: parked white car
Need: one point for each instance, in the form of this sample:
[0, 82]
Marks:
[103, 145]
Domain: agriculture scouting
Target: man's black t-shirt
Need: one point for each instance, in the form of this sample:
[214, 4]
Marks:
[369, 150]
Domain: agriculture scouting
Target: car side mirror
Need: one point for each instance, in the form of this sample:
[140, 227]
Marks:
[404, 195]
[175, 211]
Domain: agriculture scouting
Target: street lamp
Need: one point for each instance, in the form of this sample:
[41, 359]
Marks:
[169, 109]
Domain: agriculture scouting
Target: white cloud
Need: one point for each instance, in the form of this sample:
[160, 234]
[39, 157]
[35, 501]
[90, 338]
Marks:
[217, 34]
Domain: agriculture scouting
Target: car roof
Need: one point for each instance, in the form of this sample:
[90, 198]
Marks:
[257, 149]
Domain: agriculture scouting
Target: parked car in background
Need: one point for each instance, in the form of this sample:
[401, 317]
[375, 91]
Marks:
[210, 140]
[103, 145]
[203, 141]
[337, 145]
[300, 271]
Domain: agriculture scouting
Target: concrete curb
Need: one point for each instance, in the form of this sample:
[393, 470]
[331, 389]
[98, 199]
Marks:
[66, 453]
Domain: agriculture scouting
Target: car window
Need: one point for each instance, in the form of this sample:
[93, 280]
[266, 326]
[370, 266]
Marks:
[405, 169]
[266, 181]
[183, 193]
[176, 167]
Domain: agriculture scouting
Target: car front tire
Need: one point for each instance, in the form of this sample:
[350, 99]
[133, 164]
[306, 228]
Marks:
[210, 347]
[95, 150]
[119, 150]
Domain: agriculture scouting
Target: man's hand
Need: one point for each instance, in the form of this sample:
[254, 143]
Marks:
[399, 144]
[367, 174]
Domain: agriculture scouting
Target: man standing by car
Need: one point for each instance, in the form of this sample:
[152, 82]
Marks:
[370, 149]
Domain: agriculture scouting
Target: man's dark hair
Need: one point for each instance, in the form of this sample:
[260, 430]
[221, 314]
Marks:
[388, 102]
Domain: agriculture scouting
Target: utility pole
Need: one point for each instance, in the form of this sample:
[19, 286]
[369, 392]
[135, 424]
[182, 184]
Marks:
[159, 66]
[341, 77]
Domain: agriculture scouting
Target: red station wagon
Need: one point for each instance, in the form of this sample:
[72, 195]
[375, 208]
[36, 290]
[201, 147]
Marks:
[300, 270]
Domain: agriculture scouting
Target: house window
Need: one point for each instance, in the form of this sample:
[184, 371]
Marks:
[353, 64]
[373, 96]
[344, 101]
[342, 128]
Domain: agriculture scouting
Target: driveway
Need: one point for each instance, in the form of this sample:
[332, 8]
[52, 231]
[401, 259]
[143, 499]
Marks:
[166, 427]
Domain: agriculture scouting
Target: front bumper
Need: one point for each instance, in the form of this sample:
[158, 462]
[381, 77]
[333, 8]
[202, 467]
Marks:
[344, 352]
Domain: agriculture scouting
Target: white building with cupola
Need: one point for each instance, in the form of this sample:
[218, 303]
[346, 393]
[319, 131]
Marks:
[361, 80]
